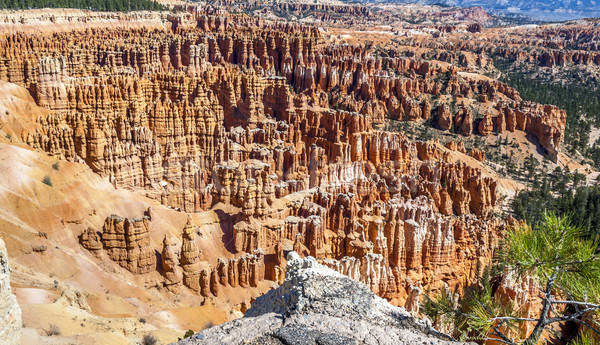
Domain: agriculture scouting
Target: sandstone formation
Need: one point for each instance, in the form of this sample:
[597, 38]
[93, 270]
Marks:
[125, 241]
[10, 312]
[312, 307]
[477, 154]
[270, 122]
[273, 136]
[170, 264]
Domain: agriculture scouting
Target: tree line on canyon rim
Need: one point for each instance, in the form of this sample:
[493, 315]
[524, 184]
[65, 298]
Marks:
[560, 191]
[97, 5]
[569, 89]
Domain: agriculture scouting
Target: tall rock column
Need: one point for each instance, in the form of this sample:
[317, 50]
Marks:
[170, 264]
[190, 258]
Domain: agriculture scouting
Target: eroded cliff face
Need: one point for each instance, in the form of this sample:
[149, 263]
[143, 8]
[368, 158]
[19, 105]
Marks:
[10, 313]
[269, 122]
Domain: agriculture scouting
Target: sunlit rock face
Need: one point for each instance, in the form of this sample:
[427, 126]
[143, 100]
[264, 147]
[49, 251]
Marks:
[10, 312]
[316, 305]
[271, 123]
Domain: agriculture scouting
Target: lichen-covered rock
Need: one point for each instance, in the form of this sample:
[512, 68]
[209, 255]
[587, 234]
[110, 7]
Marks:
[317, 305]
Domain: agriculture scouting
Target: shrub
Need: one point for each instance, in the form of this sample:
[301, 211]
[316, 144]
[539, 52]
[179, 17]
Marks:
[149, 339]
[47, 180]
[188, 334]
[564, 262]
[39, 248]
[583, 339]
[53, 330]
[56, 166]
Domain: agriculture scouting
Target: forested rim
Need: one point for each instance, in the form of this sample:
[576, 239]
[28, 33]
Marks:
[95, 5]
[560, 192]
[580, 99]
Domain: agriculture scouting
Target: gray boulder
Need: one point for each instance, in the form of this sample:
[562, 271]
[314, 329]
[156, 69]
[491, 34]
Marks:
[318, 306]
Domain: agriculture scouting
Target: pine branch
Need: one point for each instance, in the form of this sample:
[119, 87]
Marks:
[512, 318]
[577, 303]
[571, 317]
[542, 322]
[499, 333]
[500, 340]
[581, 322]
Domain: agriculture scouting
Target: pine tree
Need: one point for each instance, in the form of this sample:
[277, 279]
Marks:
[564, 262]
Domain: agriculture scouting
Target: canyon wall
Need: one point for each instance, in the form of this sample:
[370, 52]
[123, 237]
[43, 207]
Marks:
[283, 131]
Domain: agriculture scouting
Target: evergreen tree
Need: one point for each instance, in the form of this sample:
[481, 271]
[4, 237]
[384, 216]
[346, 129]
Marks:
[564, 262]
[96, 5]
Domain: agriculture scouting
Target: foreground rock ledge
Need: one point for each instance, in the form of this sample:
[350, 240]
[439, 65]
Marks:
[316, 305]
[10, 313]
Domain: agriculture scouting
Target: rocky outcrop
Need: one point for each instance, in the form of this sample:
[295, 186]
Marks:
[190, 258]
[10, 312]
[444, 117]
[91, 240]
[125, 241]
[463, 122]
[170, 264]
[477, 154]
[312, 307]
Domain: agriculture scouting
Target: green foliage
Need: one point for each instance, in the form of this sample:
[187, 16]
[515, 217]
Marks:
[96, 5]
[475, 315]
[552, 195]
[580, 101]
[555, 244]
[47, 181]
[56, 166]
[559, 256]
[188, 334]
[583, 339]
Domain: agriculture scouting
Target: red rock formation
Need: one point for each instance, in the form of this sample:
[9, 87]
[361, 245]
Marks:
[90, 239]
[190, 258]
[170, 264]
[269, 121]
[463, 122]
[486, 126]
[444, 117]
[127, 241]
[478, 154]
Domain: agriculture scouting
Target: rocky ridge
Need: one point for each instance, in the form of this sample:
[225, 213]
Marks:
[316, 305]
